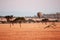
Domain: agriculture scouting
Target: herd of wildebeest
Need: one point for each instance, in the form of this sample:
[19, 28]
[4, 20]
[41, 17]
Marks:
[23, 20]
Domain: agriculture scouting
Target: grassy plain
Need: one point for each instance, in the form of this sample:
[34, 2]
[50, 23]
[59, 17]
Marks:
[30, 31]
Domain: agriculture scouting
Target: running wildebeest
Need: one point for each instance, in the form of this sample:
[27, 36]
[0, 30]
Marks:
[18, 20]
[51, 25]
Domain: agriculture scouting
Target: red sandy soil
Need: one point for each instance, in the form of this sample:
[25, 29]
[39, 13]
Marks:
[29, 31]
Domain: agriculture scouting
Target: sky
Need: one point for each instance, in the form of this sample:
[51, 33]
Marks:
[28, 7]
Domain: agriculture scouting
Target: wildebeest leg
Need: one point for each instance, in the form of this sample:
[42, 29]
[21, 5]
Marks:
[46, 23]
[42, 22]
[20, 25]
[10, 25]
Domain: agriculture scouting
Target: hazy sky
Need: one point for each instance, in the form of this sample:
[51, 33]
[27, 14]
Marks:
[28, 7]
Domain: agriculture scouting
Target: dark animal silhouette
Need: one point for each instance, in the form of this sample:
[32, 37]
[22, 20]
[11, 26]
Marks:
[45, 21]
[18, 20]
[8, 18]
[50, 25]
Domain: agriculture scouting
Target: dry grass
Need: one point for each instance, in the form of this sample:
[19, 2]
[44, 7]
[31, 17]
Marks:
[30, 31]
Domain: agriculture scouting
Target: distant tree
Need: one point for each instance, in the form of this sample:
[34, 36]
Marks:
[39, 14]
[58, 15]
